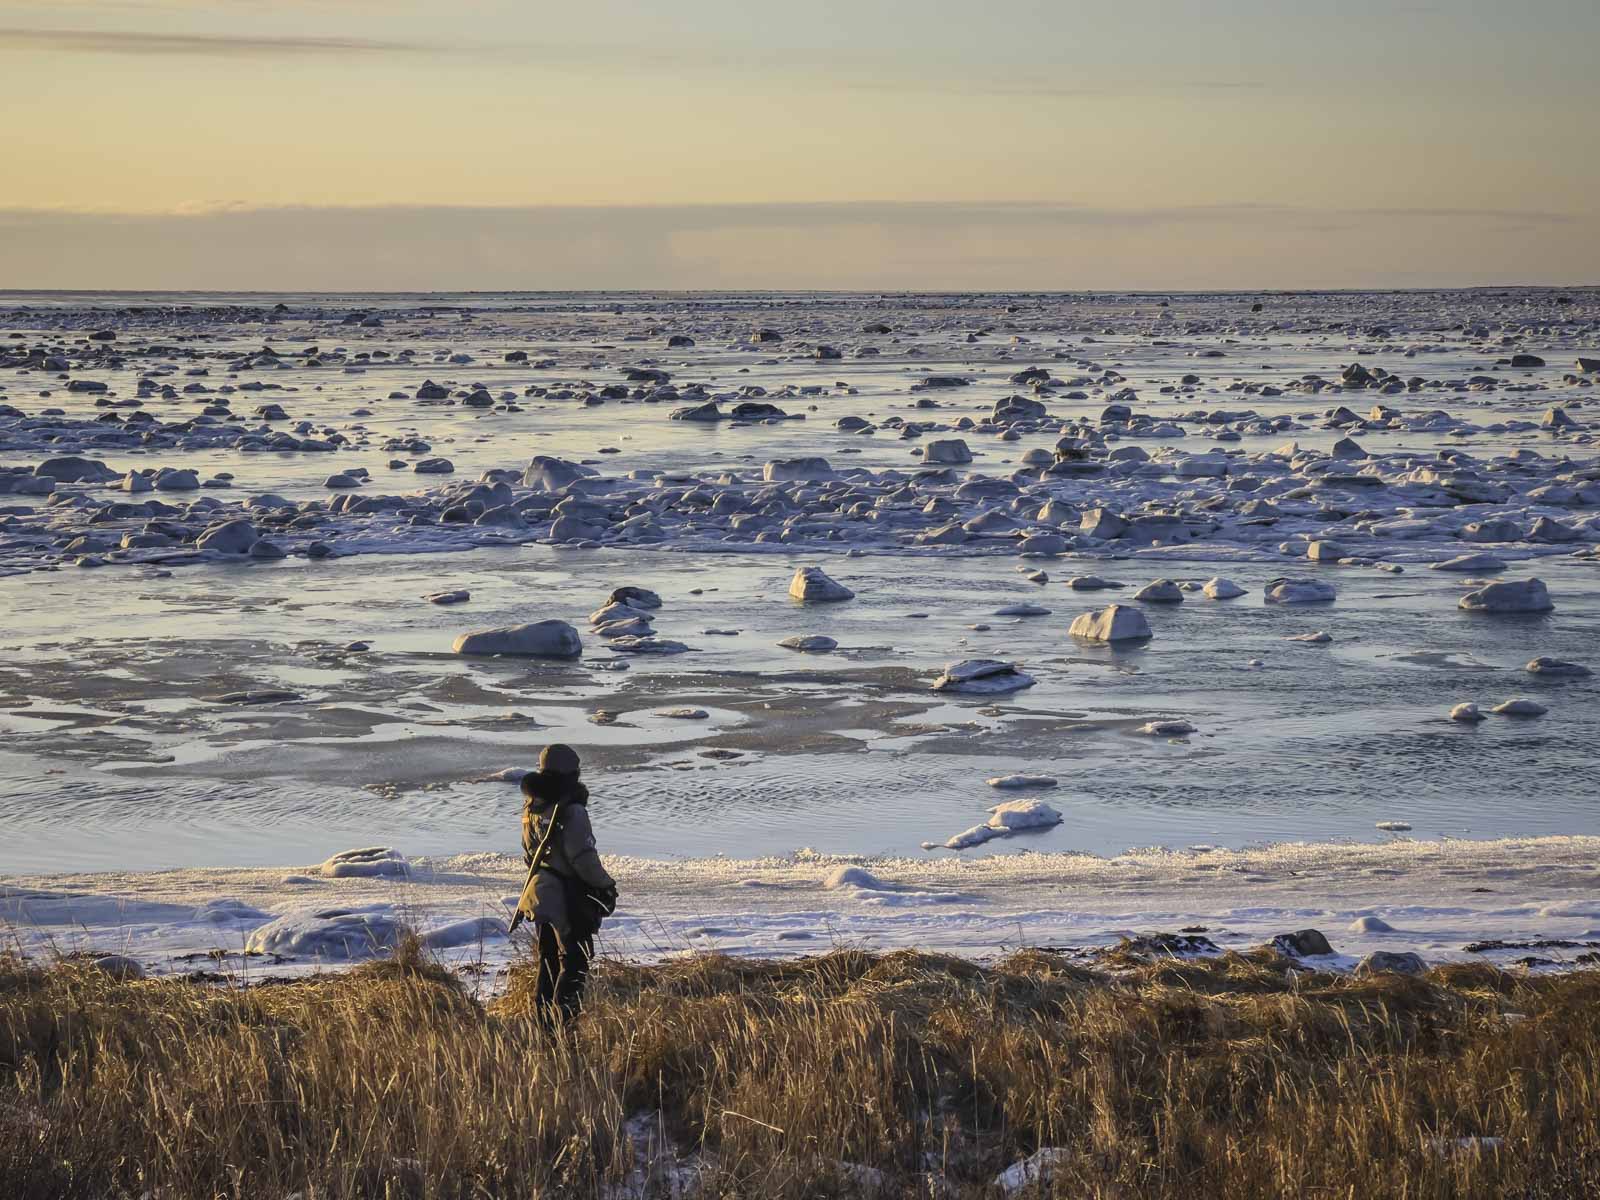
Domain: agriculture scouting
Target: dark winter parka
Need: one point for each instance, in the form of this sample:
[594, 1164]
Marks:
[571, 857]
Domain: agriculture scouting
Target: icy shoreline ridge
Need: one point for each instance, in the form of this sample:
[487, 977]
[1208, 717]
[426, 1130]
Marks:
[1441, 900]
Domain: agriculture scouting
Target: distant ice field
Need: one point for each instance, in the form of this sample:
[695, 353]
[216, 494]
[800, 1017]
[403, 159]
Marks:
[166, 706]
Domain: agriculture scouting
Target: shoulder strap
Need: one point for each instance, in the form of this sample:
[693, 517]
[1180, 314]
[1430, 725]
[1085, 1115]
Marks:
[544, 842]
[534, 864]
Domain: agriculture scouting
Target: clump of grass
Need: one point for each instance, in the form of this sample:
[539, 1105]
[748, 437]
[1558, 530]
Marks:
[901, 1074]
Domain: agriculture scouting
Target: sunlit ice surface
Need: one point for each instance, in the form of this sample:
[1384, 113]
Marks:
[122, 748]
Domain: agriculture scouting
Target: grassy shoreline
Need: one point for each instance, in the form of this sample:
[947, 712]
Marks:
[847, 1074]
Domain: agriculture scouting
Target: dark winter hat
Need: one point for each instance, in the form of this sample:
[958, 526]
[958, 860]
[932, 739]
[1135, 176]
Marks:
[559, 760]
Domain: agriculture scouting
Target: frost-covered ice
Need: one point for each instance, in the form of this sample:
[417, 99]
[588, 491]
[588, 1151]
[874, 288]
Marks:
[238, 543]
[1004, 820]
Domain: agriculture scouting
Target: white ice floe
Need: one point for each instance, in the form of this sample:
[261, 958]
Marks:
[1520, 707]
[983, 677]
[1006, 819]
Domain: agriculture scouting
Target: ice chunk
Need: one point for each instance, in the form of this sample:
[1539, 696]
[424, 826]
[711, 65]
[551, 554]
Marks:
[464, 933]
[811, 585]
[1471, 563]
[548, 474]
[1520, 707]
[1391, 962]
[1160, 591]
[332, 933]
[227, 909]
[951, 451]
[1298, 591]
[1554, 668]
[1005, 819]
[1509, 596]
[1166, 729]
[1114, 623]
[540, 639]
[786, 469]
[856, 877]
[371, 861]
[1033, 1172]
[982, 676]
[1221, 589]
[815, 643]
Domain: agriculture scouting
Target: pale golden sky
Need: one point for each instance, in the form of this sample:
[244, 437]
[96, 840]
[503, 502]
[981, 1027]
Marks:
[706, 143]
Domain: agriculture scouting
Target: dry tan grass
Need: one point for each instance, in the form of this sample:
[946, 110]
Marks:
[1220, 1078]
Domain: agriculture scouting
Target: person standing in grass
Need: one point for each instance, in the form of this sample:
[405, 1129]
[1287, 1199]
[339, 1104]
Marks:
[568, 891]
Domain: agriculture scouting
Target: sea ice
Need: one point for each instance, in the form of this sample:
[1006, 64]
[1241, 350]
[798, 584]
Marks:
[1520, 707]
[1298, 591]
[1161, 591]
[1006, 819]
[1509, 596]
[541, 639]
[814, 643]
[811, 585]
[1166, 729]
[1222, 589]
[1021, 782]
[1114, 623]
[982, 676]
[1555, 668]
[356, 864]
[338, 934]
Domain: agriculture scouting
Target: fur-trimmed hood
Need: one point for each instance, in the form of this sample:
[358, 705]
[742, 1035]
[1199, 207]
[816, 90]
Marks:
[544, 788]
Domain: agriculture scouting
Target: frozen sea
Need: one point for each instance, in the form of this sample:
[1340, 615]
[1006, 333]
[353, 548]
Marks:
[121, 750]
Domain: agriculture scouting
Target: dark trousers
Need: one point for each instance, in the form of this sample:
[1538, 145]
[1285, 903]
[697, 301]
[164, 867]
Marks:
[563, 970]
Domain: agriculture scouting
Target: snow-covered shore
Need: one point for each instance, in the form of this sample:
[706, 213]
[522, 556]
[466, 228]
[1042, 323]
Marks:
[1434, 898]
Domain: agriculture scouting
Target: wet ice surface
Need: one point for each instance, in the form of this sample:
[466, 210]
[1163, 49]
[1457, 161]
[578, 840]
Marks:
[117, 751]
[174, 707]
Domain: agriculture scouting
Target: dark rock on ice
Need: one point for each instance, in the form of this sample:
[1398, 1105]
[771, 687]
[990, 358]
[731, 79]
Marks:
[539, 639]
